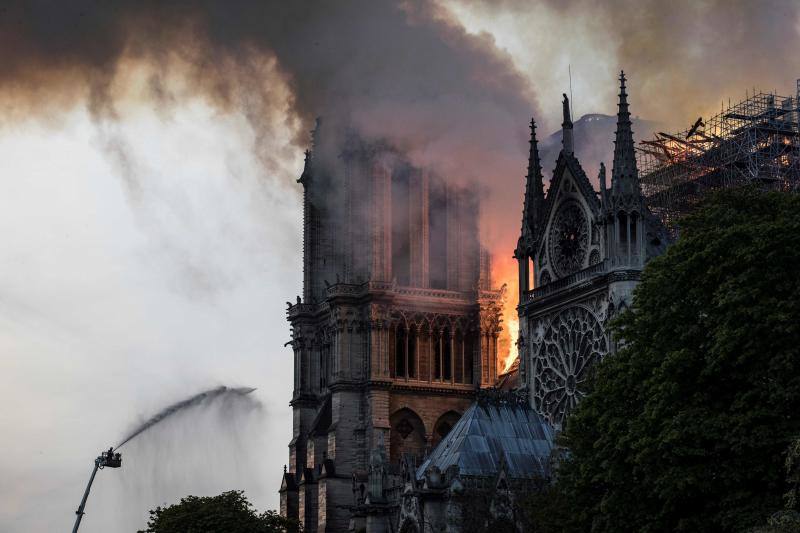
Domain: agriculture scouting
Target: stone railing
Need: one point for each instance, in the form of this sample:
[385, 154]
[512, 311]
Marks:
[348, 289]
[345, 289]
[430, 293]
[300, 309]
[573, 279]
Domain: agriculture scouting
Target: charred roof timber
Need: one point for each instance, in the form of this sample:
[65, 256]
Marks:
[756, 141]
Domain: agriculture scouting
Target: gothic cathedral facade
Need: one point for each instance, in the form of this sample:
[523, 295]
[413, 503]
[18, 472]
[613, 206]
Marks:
[580, 254]
[397, 325]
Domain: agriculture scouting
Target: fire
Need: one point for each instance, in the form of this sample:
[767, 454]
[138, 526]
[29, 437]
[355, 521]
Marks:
[504, 272]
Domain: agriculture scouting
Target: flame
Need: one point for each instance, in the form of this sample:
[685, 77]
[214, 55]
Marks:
[504, 272]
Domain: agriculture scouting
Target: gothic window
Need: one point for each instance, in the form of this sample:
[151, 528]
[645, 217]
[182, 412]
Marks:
[572, 342]
[400, 351]
[444, 425]
[447, 355]
[623, 233]
[634, 239]
[412, 353]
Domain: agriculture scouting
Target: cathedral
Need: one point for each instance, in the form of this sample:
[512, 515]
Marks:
[580, 254]
[397, 326]
[400, 417]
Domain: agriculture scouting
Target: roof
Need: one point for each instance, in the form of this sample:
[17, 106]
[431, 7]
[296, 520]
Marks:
[489, 430]
[509, 380]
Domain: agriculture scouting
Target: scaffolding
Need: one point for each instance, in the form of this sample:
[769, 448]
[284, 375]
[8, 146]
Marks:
[756, 141]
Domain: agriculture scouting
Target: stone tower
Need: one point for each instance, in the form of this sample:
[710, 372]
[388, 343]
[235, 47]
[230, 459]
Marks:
[397, 325]
[580, 255]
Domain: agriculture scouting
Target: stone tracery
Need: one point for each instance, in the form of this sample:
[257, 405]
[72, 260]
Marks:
[571, 342]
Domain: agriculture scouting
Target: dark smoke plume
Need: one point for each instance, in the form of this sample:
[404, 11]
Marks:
[399, 71]
[402, 71]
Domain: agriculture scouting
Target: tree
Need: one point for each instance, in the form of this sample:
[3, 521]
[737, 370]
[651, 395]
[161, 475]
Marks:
[687, 424]
[230, 512]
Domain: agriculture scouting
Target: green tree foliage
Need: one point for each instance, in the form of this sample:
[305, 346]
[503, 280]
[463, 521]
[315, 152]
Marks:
[687, 426]
[230, 512]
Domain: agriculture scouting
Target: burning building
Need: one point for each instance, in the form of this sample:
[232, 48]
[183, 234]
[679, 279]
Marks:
[756, 142]
[580, 254]
[397, 326]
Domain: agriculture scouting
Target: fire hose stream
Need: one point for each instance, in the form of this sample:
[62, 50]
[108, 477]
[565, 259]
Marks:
[113, 459]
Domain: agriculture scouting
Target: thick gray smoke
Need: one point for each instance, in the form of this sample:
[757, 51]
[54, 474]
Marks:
[683, 57]
[397, 71]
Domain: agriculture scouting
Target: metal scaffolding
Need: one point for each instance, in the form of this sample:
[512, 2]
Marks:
[756, 141]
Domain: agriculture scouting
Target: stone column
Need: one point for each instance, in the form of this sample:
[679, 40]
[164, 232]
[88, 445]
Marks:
[430, 354]
[440, 354]
[463, 359]
[452, 356]
[405, 351]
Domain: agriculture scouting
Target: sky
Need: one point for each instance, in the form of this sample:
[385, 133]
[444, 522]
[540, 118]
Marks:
[150, 219]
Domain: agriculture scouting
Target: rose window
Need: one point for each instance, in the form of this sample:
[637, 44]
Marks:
[572, 342]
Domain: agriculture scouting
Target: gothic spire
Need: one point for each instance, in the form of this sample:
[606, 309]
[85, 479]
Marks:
[566, 128]
[624, 175]
[534, 187]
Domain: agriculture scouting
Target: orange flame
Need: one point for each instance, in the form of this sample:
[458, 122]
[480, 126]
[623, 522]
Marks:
[504, 272]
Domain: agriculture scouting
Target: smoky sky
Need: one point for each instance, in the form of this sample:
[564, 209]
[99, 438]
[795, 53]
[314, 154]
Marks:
[682, 57]
[402, 71]
[364, 62]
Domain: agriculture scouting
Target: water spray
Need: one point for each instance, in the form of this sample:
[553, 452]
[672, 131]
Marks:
[113, 459]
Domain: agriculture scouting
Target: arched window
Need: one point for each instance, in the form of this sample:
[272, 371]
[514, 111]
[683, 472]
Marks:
[400, 339]
[411, 362]
[444, 425]
[623, 228]
[623, 234]
[634, 236]
[447, 355]
[407, 435]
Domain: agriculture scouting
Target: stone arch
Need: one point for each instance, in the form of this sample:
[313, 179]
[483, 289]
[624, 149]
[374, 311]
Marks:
[443, 426]
[407, 435]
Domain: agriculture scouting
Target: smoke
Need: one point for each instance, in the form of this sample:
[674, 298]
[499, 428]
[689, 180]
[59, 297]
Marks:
[402, 72]
[682, 57]
[406, 72]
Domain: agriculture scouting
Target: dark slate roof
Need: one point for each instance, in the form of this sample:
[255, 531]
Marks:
[489, 430]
